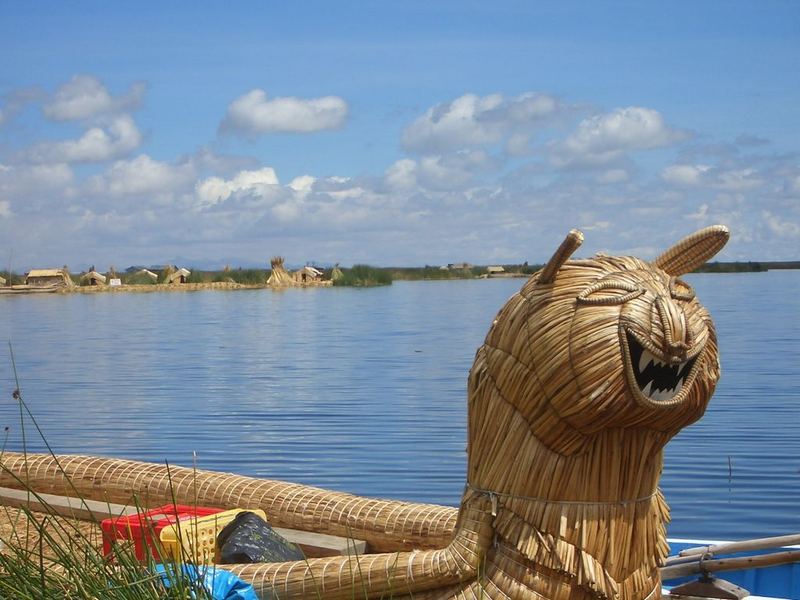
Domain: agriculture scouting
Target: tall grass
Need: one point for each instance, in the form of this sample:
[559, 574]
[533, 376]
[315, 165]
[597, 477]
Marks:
[46, 556]
[363, 276]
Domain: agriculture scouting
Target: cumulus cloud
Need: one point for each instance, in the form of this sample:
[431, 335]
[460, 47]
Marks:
[730, 179]
[118, 138]
[214, 190]
[85, 97]
[142, 175]
[605, 138]
[781, 226]
[254, 113]
[473, 120]
[22, 180]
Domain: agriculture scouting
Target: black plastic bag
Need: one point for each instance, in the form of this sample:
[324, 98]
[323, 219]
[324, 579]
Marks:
[250, 539]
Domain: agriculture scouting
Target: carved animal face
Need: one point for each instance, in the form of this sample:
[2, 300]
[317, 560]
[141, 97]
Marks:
[607, 343]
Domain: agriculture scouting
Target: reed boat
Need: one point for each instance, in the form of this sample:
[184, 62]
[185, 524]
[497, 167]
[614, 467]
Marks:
[24, 288]
[584, 376]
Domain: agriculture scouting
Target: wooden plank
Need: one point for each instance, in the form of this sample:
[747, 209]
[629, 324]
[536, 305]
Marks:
[730, 564]
[64, 506]
[314, 545]
[317, 545]
[742, 546]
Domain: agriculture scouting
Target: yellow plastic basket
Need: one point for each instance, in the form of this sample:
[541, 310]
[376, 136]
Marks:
[195, 539]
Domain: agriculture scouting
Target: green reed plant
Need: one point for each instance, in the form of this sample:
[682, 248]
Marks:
[364, 276]
[46, 556]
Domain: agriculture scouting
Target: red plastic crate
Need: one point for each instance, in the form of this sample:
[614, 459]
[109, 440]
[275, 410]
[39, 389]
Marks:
[144, 527]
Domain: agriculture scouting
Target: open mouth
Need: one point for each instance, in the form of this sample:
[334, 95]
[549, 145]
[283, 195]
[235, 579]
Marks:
[657, 380]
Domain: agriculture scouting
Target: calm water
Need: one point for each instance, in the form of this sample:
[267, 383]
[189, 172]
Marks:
[364, 390]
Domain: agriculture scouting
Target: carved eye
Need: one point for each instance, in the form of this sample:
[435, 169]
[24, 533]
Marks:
[680, 290]
[609, 292]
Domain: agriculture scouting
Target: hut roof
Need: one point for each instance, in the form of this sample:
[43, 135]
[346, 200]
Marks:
[147, 273]
[95, 275]
[176, 276]
[495, 269]
[46, 273]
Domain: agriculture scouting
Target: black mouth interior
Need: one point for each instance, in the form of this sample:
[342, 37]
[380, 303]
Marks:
[656, 379]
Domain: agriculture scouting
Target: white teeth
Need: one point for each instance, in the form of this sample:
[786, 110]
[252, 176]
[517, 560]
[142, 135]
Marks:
[645, 360]
[647, 389]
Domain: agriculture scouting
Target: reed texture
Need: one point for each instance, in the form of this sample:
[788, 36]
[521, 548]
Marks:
[584, 376]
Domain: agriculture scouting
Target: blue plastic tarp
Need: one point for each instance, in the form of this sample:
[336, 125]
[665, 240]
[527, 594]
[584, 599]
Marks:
[221, 584]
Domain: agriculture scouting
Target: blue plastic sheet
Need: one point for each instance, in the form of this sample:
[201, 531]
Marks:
[221, 584]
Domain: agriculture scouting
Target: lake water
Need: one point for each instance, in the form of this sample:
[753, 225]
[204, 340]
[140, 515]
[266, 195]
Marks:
[364, 390]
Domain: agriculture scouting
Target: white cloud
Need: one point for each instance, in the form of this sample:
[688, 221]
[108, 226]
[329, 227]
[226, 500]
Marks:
[302, 185]
[733, 180]
[780, 225]
[401, 175]
[604, 138]
[118, 138]
[214, 190]
[142, 176]
[23, 180]
[254, 113]
[473, 120]
[688, 175]
[85, 97]
[5, 208]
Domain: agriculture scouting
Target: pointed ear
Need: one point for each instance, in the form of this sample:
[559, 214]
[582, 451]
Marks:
[693, 250]
[571, 243]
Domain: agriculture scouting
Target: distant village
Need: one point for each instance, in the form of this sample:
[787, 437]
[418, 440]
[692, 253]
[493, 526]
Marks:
[139, 278]
[60, 279]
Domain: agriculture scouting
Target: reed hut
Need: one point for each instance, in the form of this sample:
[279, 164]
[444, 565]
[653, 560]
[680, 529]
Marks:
[94, 278]
[179, 276]
[280, 276]
[495, 270]
[584, 376]
[307, 275]
[336, 273]
[2, 280]
[49, 278]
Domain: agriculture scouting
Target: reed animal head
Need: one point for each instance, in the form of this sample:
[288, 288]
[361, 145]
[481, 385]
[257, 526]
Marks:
[604, 343]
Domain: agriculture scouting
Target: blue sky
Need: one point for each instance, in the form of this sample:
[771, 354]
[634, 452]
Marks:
[394, 133]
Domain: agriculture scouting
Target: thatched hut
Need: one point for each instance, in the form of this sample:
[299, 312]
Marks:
[179, 276]
[307, 275]
[279, 276]
[94, 278]
[49, 278]
[495, 270]
[2, 280]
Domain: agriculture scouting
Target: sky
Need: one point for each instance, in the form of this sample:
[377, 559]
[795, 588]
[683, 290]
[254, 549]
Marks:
[394, 133]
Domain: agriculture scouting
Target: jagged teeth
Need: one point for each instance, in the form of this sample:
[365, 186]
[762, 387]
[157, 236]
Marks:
[647, 358]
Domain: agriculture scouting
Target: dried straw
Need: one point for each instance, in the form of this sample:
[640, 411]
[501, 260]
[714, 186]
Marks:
[564, 456]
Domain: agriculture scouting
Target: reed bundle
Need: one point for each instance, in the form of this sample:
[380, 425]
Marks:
[279, 276]
[584, 376]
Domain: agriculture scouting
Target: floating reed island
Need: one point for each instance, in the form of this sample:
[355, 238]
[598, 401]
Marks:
[584, 376]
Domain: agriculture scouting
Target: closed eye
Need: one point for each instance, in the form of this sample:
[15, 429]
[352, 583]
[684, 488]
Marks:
[609, 292]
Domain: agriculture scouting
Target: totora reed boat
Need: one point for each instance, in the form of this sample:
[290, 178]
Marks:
[584, 376]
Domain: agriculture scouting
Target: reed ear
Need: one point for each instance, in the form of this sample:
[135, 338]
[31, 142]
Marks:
[693, 251]
[571, 243]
